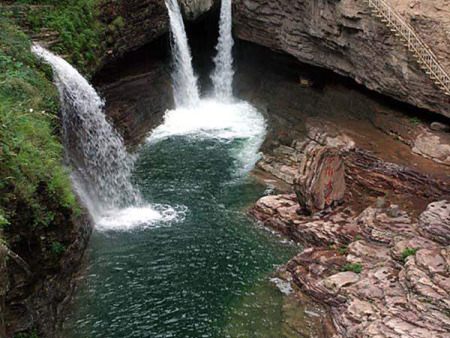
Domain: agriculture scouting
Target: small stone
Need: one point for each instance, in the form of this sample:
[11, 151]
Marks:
[381, 202]
[305, 83]
[394, 211]
[438, 126]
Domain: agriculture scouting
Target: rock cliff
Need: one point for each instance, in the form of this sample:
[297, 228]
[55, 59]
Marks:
[344, 37]
[132, 24]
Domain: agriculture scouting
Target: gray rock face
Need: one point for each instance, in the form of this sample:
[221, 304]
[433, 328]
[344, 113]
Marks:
[435, 222]
[193, 9]
[344, 37]
[433, 146]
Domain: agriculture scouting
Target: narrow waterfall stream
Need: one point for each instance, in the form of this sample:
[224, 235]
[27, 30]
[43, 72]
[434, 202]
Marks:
[185, 87]
[222, 76]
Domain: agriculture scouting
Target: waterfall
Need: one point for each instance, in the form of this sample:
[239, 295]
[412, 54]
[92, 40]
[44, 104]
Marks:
[101, 165]
[222, 76]
[185, 88]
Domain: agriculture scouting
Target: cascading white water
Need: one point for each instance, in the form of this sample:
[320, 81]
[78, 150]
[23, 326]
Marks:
[222, 118]
[226, 122]
[102, 167]
[185, 87]
[222, 76]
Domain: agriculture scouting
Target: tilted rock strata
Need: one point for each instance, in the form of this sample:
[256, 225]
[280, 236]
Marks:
[378, 271]
[367, 177]
[321, 180]
[388, 281]
[344, 37]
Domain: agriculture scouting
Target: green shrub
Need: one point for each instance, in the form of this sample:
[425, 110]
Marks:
[57, 249]
[408, 252]
[27, 335]
[31, 156]
[343, 251]
[78, 26]
[353, 267]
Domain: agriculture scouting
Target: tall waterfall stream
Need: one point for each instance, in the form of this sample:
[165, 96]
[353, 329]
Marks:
[173, 254]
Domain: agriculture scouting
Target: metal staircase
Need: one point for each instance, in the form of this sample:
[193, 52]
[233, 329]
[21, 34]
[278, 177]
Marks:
[425, 57]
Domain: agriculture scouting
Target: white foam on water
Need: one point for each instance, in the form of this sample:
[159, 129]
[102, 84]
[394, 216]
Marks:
[225, 122]
[144, 217]
[282, 285]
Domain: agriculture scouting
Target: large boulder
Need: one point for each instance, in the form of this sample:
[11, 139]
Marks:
[321, 179]
[433, 146]
[434, 223]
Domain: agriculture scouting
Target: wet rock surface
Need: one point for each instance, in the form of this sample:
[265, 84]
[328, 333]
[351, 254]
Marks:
[193, 9]
[137, 97]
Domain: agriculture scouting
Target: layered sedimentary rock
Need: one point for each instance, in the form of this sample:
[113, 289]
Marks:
[321, 180]
[376, 270]
[344, 37]
[136, 102]
[431, 18]
[378, 273]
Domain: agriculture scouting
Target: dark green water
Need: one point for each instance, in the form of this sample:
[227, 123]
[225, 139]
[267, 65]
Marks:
[200, 276]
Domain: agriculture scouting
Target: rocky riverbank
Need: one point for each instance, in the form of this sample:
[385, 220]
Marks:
[376, 269]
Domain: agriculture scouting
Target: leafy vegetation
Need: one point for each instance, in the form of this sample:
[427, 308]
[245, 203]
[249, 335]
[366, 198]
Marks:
[27, 335]
[31, 171]
[71, 24]
[415, 120]
[343, 251]
[408, 252]
[353, 267]
[58, 249]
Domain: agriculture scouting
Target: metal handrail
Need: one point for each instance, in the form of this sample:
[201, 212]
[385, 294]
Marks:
[424, 54]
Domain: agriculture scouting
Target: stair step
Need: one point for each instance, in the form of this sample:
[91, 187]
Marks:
[427, 62]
